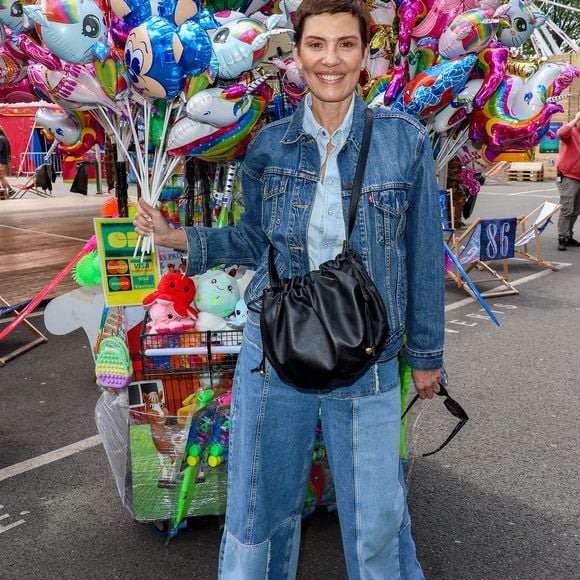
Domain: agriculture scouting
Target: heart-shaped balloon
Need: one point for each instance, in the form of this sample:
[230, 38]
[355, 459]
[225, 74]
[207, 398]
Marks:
[110, 71]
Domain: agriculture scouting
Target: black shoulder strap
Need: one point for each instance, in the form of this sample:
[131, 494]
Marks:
[360, 170]
[355, 195]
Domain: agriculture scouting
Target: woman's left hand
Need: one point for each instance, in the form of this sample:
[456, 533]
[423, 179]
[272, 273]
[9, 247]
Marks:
[426, 383]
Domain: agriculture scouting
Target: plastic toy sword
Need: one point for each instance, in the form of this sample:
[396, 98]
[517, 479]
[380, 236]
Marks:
[89, 246]
[200, 432]
[470, 283]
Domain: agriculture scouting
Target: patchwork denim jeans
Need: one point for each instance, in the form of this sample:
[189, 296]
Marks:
[272, 433]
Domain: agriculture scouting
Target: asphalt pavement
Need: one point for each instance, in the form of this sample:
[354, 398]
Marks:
[500, 502]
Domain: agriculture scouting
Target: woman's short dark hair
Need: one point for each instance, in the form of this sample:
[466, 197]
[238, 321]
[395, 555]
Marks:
[358, 8]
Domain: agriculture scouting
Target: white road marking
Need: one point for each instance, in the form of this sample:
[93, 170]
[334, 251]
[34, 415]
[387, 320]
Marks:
[55, 455]
[519, 282]
[532, 191]
[43, 233]
[10, 526]
[529, 193]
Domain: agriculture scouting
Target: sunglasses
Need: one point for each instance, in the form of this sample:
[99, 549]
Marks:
[453, 407]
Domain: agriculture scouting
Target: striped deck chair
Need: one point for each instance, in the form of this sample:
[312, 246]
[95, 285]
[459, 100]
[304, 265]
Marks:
[483, 243]
[531, 227]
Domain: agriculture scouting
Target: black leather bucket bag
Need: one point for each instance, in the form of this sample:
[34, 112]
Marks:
[324, 330]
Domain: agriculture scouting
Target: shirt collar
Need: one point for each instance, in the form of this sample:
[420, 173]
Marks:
[311, 125]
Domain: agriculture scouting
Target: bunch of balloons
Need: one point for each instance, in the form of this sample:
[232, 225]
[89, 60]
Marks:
[168, 78]
[450, 65]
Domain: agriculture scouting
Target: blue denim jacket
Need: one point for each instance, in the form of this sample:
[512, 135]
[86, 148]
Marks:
[397, 230]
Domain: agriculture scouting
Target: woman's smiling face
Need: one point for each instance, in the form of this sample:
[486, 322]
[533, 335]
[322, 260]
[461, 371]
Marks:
[331, 56]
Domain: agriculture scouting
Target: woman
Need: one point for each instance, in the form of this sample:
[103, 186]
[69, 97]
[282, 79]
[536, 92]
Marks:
[296, 180]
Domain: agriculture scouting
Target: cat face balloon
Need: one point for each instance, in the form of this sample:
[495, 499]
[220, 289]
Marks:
[522, 22]
[69, 28]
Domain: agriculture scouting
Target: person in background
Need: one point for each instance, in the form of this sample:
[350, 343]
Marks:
[5, 189]
[296, 180]
[568, 181]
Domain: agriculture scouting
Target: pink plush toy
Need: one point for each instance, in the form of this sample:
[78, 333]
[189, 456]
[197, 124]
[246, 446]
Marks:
[164, 318]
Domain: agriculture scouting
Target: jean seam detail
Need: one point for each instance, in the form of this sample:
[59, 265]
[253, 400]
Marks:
[259, 429]
[358, 524]
[293, 519]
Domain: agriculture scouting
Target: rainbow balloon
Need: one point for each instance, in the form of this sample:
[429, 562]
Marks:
[471, 31]
[495, 126]
[226, 131]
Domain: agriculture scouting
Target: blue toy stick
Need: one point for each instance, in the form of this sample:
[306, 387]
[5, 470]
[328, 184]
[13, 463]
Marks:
[470, 283]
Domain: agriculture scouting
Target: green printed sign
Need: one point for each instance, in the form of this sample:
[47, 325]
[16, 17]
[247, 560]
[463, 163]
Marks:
[126, 279]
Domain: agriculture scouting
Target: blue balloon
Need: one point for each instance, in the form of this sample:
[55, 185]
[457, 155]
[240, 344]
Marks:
[152, 54]
[207, 20]
[133, 12]
[197, 48]
[178, 11]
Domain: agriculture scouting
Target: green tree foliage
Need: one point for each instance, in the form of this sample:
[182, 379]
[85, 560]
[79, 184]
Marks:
[568, 20]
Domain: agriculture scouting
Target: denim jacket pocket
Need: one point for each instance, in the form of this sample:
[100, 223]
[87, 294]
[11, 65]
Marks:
[274, 188]
[390, 207]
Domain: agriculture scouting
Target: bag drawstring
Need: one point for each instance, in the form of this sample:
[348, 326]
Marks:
[370, 348]
[261, 368]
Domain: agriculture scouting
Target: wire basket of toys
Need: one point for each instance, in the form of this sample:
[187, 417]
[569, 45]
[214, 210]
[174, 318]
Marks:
[189, 352]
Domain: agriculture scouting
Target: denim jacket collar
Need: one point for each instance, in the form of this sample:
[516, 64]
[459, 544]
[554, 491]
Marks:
[296, 131]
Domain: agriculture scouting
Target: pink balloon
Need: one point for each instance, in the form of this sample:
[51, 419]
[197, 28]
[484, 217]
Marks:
[399, 77]
[439, 16]
[409, 13]
[493, 63]
[20, 92]
[119, 31]
[73, 87]
[38, 53]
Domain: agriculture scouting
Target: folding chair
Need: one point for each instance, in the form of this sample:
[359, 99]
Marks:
[497, 172]
[40, 338]
[39, 182]
[484, 241]
[30, 186]
[530, 233]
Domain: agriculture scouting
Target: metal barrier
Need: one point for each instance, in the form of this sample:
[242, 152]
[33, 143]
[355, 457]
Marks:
[29, 162]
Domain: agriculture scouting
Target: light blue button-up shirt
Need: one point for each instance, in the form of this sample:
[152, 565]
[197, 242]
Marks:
[326, 230]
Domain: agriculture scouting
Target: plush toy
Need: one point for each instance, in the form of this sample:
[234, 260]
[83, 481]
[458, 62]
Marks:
[239, 315]
[217, 293]
[177, 289]
[165, 319]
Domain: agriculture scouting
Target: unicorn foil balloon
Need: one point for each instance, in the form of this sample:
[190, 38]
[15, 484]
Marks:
[76, 131]
[219, 121]
[69, 28]
[471, 31]
[239, 45]
[64, 127]
[12, 15]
